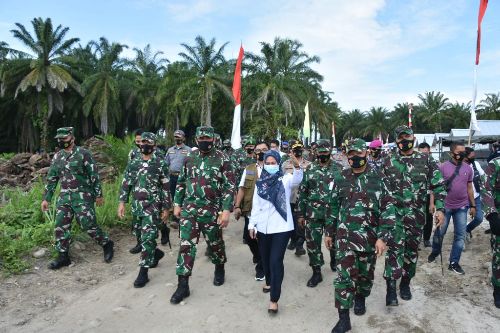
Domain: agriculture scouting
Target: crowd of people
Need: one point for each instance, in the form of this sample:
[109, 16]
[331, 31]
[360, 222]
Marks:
[361, 202]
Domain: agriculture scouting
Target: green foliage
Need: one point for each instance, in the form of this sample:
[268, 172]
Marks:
[118, 149]
[6, 156]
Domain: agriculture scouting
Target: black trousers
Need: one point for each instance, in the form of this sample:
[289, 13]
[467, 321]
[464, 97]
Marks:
[272, 250]
[173, 184]
[429, 220]
[298, 235]
[252, 243]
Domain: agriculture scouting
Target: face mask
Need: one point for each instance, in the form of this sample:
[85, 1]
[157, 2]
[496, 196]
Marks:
[147, 149]
[357, 162]
[285, 150]
[260, 156]
[460, 156]
[272, 168]
[178, 141]
[249, 151]
[323, 158]
[64, 144]
[297, 153]
[376, 153]
[405, 144]
[205, 146]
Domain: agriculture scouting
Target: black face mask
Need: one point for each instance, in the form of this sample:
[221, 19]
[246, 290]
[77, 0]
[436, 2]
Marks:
[376, 153]
[64, 144]
[284, 149]
[460, 156]
[357, 162]
[405, 144]
[147, 149]
[249, 151]
[178, 141]
[205, 146]
[297, 153]
[323, 158]
[260, 156]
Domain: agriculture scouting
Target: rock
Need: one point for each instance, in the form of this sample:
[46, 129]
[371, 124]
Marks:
[95, 323]
[78, 246]
[34, 159]
[21, 158]
[40, 253]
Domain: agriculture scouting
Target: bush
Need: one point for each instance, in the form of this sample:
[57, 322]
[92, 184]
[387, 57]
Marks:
[117, 150]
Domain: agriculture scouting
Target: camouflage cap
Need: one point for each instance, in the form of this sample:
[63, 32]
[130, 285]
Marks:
[148, 136]
[179, 133]
[323, 146]
[64, 132]
[205, 131]
[227, 142]
[356, 145]
[402, 129]
[250, 140]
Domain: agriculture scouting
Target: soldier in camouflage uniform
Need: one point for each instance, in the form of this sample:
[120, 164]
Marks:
[80, 189]
[147, 179]
[226, 147]
[491, 205]
[203, 200]
[248, 158]
[363, 213]
[313, 197]
[410, 176]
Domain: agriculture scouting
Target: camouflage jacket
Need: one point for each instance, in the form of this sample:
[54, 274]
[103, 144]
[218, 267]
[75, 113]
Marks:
[314, 190]
[361, 210]
[411, 177]
[148, 182]
[206, 181]
[78, 174]
[490, 194]
[134, 153]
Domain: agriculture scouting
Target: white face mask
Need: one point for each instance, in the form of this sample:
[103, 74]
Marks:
[271, 168]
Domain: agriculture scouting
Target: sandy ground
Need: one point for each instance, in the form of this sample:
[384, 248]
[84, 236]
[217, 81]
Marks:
[92, 296]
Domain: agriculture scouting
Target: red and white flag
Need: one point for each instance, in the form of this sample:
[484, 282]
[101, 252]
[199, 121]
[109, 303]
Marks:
[236, 132]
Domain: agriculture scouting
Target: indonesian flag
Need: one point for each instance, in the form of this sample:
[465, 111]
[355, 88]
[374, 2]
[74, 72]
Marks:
[236, 132]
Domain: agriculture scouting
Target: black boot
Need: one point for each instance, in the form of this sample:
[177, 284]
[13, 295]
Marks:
[333, 263]
[219, 275]
[316, 277]
[496, 296]
[391, 299]
[137, 248]
[61, 261]
[142, 278]
[182, 290]
[108, 251]
[165, 236]
[292, 245]
[359, 305]
[344, 323]
[158, 255]
[404, 288]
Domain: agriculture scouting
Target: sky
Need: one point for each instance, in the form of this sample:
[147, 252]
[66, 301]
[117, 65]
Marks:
[373, 52]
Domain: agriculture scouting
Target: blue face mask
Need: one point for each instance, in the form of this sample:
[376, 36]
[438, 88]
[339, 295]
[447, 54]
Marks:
[272, 168]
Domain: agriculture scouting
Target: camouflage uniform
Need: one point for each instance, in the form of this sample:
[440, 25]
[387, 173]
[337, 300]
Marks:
[148, 182]
[362, 211]
[312, 202]
[241, 159]
[409, 179]
[80, 186]
[204, 189]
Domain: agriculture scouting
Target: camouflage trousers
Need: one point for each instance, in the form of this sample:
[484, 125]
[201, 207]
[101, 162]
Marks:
[402, 255]
[495, 261]
[314, 230]
[136, 226]
[190, 226]
[85, 215]
[355, 276]
[149, 233]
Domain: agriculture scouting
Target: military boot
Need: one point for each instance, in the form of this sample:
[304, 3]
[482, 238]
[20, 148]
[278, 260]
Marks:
[316, 277]
[344, 323]
[333, 262]
[219, 275]
[158, 255]
[182, 290]
[108, 251]
[404, 288]
[142, 278]
[165, 236]
[61, 261]
[359, 305]
[391, 299]
[496, 296]
[137, 248]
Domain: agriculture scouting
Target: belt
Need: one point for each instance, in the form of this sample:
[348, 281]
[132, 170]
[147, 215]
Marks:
[175, 173]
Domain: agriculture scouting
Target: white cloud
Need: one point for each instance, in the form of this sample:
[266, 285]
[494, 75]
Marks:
[186, 11]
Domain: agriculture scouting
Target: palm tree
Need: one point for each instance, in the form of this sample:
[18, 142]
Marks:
[457, 115]
[102, 89]
[431, 109]
[351, 125]
[489, 107]
[207, 64]
[376, 122]
[49, 71]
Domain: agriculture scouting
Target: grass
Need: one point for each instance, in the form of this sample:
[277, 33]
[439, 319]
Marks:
[6, 156]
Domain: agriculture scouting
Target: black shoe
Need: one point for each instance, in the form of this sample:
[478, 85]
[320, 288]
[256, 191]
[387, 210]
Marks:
[292, 245]
[455, 267]
[158, 255]
[333, 263]
[344, 323]
[61, 261]
[182, 290]
[255, 260]
[432, 257]
[108, 251]
[404, 289]
[299, 251]
[165, 236]
[142, 278]
[245, 241]
[219, 275]
[137, 248]
[359, 305]
[427, 243]
[496, 296]
[259, 273]
[391, 298]
[315, 278]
